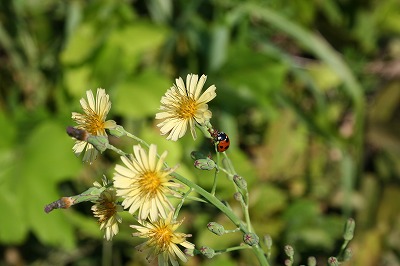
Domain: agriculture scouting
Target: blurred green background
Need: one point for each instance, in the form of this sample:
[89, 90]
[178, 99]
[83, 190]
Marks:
[308, 91]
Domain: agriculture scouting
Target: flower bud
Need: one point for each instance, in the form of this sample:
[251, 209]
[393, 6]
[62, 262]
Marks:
[311, 261]
[238, 196]
[216, 228]
[117, 131]
[251, 239]
[207, 251]
[289, 251]
[99, 142]
[268, 241]
[333, 261]
[347, 254]
[240, 182]
[349, 229]
[204, 164]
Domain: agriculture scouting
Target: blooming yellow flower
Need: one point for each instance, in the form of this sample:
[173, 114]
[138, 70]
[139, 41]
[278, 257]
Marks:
[162, 240]
[106, 210]
[93, 121]
[144, 184]
[183, 106]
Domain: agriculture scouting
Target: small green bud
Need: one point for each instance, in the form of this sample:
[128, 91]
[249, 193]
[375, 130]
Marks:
[195, 155]
[205, 164]
[238, 196]
[99, 142]
[251, 239]
[312, 261]
[289, 251]
[349, 229]
[240, 182]
[333, 261]
[117, 131]
[207, 252]
[268, 241]
[347, 254]
[216, 228]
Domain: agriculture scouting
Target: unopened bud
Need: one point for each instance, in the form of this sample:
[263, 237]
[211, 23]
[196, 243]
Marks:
[268, 241]
[117, 131]
[216, 228]
[347, 254]
[349, 229]
[311, 261]
[205, 164]
[240, 182]
[251, 239]
[333, 261]
[207, 251]
[289, 251]
[99, 142]
[238, 196]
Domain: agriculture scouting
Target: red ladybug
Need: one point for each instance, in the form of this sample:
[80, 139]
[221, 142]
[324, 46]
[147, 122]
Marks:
[222, 141]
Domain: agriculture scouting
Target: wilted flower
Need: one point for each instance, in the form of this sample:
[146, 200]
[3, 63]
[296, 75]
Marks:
[106, 210]
[144, 184]
[184, 106]
[93, 121]
[162, 240]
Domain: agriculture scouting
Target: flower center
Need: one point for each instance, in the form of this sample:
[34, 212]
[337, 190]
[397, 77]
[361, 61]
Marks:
[105, 210]
[162, 236]
[150, 183]
[187, 108]
[93, 123]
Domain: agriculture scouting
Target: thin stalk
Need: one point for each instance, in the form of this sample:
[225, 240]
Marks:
[228, 212]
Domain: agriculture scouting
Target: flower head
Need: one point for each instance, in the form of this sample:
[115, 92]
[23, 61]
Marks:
[184, 106]
[144, 184]
[162, 240]
[106, 210]
[93, 121]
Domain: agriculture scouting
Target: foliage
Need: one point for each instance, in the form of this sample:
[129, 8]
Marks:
[307, 90]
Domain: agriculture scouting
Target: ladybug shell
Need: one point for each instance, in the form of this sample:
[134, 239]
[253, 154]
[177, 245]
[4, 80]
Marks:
[223, 142]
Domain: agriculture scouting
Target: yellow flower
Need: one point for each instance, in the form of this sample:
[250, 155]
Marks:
[106, 210]
[183, 106]
[144, 184]
[93, 121]
[162, 240]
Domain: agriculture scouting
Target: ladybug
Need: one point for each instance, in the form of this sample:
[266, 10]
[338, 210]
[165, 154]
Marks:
[222, 141]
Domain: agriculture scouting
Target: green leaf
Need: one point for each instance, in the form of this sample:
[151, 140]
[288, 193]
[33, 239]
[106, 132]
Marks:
[44, 159]
[81, 45]
[140, 97]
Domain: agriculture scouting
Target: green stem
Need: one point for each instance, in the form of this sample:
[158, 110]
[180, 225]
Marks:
[231, 249]
[214, 186]
[228, 212]
[178, 208]
[246, 211]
